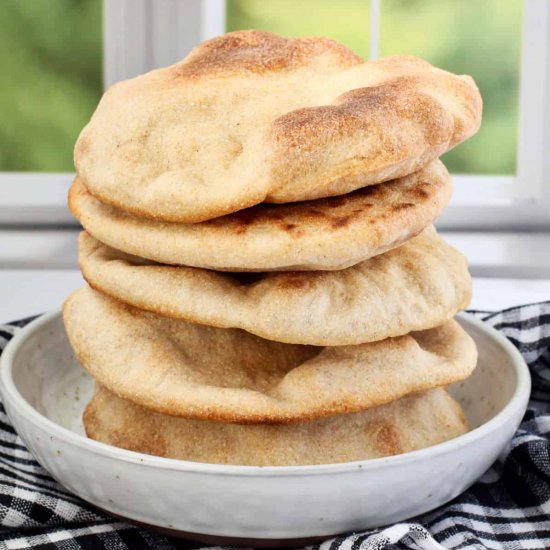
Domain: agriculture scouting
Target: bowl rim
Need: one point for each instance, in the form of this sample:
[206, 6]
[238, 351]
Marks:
[23, 408]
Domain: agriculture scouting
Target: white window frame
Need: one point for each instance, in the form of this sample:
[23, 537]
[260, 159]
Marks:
[142, 34]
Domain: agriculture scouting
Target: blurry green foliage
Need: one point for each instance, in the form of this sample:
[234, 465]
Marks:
[50, 62]
[346, 21]
[477, 37]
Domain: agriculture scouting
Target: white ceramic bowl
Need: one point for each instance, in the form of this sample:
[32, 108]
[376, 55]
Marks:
[44, 391]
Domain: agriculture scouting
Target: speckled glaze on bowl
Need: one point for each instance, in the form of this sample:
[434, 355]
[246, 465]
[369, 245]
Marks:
[44, 391]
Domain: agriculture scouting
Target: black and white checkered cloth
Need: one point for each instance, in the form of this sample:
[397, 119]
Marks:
[509, 507]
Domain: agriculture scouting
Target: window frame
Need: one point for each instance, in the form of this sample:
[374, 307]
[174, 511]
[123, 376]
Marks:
[141, 34]
[522, 201]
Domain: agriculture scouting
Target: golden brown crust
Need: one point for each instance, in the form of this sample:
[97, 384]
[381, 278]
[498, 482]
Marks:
[405, 425]
[235, 124]
[259, 52]
[195, 371]
[326, 234]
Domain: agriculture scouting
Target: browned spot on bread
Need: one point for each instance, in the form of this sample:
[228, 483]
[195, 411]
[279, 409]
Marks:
[386, 438]
[143, 437]
[259, 52]
[336, 202]
[316, 213]
[241, 221]
[366, 110]
[293, 281]
[150, 443]
[419, 193]
[333, 212]
[341, 222]
[247, 278]
[403, 206]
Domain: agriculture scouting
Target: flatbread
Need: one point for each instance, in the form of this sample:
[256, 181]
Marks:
[251, 117]
[417, 286]
[327, 234]
[405, 425]
[184, 369]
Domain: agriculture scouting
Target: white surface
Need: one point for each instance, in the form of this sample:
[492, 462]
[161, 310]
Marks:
[29, 292]
[245, 501]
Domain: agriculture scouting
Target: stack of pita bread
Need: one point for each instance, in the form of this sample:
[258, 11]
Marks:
[265, 283]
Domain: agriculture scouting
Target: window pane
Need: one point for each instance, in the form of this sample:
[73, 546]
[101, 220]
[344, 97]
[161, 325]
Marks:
[51, 66]
[345, 21]
[478, 37]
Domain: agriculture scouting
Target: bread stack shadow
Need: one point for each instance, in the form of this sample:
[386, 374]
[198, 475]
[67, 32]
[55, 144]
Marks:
[265, 286]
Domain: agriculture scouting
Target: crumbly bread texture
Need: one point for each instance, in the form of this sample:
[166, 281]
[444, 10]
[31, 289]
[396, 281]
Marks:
[408, 424]
[326, 234]
[251, 116]
[419, 285]
[184, 369]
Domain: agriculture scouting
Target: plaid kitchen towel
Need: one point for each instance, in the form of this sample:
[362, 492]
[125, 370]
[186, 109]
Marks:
[509, 507]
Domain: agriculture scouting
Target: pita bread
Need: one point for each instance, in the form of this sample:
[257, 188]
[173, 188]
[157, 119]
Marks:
[183, 369]
[251, 117]
[417, 286]
[327, 234]
[405, 425]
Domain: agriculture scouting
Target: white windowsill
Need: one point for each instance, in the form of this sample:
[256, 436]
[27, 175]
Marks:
[506, 254]
[38, 248]
[35, 198]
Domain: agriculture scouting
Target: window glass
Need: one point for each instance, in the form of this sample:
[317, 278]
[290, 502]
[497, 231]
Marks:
[346, 21]
[478, 37]
[51, 66]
